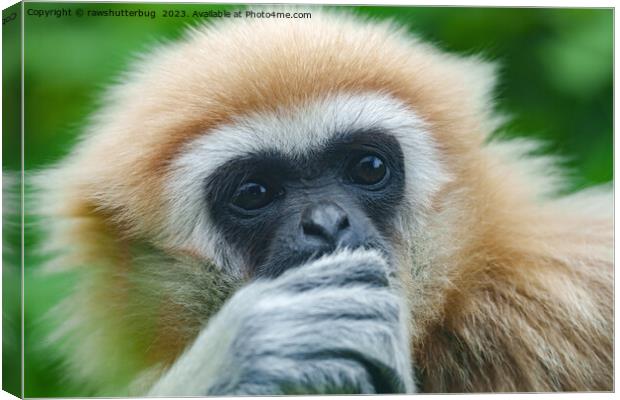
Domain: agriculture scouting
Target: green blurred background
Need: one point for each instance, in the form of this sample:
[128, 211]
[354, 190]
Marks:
[555, 83]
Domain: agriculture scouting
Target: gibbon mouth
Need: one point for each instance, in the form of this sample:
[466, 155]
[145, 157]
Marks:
[281, 261]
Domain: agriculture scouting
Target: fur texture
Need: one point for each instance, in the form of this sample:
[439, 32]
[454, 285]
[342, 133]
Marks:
[352, 307]
[509, 287]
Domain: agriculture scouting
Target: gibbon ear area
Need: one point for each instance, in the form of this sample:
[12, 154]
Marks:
[279, 211]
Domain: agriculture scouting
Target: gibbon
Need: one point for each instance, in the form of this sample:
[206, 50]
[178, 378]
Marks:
[278, 206]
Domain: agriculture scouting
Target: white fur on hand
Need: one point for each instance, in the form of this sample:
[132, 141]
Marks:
[334, 325]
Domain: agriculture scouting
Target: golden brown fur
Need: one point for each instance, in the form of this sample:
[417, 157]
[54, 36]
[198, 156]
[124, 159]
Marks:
[512, 291]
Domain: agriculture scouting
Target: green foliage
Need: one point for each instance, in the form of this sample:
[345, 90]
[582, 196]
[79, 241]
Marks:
[555, 84]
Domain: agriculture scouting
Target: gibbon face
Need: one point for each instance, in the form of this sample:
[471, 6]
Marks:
[344, 193]
[238, 178]
[324, 175]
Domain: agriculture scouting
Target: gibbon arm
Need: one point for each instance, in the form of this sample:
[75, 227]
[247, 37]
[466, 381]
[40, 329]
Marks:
[335, 325]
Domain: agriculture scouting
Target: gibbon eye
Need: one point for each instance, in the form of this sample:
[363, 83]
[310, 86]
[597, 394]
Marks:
[252, 196]
[368, 170]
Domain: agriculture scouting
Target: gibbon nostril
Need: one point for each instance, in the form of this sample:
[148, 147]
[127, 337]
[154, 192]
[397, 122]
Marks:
[344, 224]
[324, 220]
[311, 229]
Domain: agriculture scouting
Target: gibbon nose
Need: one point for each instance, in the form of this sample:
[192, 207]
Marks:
[325, 221]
